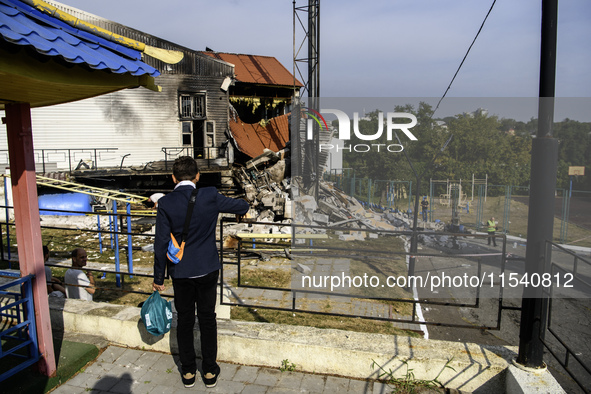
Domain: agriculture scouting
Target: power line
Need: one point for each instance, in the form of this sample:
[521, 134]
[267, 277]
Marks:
[465, 56]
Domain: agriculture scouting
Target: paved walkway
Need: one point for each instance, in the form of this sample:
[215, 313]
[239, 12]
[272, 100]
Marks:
[121, 370]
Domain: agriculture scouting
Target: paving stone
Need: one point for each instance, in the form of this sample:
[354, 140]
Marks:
[291, 380]
[381, 388]
[99, 368]
[336, 385]
[254, 389]
[283, 390]
[129, 357]
[111, 354]
[148, 359]
[166, 363]
[195, 389]
[107, 382]
[159, 389]
[129, 386]
[268, 377]
[83, 380]
[67, 389]
[360, 386]
[165, 378]
[228, 371]
[141, 372]
[226, 386]
[123, 372]
[246, 374]
[313, 383]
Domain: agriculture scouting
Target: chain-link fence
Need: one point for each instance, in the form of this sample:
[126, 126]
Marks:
[471, 204]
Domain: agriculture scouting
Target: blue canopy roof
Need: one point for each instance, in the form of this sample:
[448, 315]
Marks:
[23, 25]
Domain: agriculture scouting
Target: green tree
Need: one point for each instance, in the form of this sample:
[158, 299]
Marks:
[574, 149]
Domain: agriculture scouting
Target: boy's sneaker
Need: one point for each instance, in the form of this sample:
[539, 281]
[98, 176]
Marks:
[188, 379]
[211, 379]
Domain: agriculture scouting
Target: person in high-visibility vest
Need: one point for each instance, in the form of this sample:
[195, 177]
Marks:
[491, 228]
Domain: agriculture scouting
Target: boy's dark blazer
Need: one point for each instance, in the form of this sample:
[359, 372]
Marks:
[201, 254]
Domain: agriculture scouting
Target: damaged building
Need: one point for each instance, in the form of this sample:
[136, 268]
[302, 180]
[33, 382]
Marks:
[131, 137]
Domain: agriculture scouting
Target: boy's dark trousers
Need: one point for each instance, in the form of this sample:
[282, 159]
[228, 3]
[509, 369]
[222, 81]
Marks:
[200, 292]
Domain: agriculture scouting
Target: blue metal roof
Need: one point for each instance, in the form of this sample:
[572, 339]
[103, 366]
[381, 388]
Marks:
[23, 25]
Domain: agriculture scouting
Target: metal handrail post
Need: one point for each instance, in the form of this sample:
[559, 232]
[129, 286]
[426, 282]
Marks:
[100, 238]
[129, 241]
[7, 215]
[116, 235]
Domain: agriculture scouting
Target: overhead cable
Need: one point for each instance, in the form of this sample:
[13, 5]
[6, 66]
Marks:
[465, 56]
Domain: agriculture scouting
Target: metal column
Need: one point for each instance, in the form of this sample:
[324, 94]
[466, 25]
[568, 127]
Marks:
[540, 221]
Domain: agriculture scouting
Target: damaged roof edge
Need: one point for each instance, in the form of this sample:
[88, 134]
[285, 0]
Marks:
[163, 43]
[165, 55]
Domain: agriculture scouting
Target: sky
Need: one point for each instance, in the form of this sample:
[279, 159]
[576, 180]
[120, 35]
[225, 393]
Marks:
[383, 48]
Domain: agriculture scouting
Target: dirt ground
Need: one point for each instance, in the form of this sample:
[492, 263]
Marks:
[579, 213]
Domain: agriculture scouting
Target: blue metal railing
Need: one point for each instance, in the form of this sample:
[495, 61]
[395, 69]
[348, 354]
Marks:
[19, 340]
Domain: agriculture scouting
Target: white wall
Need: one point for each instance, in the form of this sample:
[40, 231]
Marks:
[335, 159]
[138, 122]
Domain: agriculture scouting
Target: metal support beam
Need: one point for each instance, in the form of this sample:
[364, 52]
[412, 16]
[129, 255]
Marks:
[311, 166]
[28, 224]
[540, 221]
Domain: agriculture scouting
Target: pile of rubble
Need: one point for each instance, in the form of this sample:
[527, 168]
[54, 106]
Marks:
[445, 241]
[280, 200]
[266, 185]
[334, 208]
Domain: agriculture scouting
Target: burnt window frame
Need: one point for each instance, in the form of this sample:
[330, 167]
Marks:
[198, 100]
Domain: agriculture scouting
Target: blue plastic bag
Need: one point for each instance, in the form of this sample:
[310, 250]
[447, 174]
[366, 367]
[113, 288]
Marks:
[156, 314]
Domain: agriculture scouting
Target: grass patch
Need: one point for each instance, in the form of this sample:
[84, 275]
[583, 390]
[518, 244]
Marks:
[263, 278]
[318, 321]
[110, 293]
[62, 242]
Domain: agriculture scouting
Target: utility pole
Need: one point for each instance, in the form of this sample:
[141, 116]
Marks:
[309, 149]
[544, 164]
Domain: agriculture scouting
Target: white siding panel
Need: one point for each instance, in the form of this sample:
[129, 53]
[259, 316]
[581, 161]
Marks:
[138, 122]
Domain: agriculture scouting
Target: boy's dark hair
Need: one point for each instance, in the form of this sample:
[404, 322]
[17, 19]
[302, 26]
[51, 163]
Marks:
[185, 168]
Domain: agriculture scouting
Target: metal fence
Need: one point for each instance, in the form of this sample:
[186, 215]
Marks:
[19, 348]
[301, 245]
[108, 236]
[305, 246]
[566, 329]
[472, 204]
[48, 160]
[206, 157]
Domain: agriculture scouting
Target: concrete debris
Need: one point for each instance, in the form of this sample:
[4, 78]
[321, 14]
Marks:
[335, 209]
[446, 241]
[304, 269]
[267, 188]
[266, 184]
[278, 199]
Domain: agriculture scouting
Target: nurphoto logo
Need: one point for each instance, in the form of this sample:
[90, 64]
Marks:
[344, 130]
